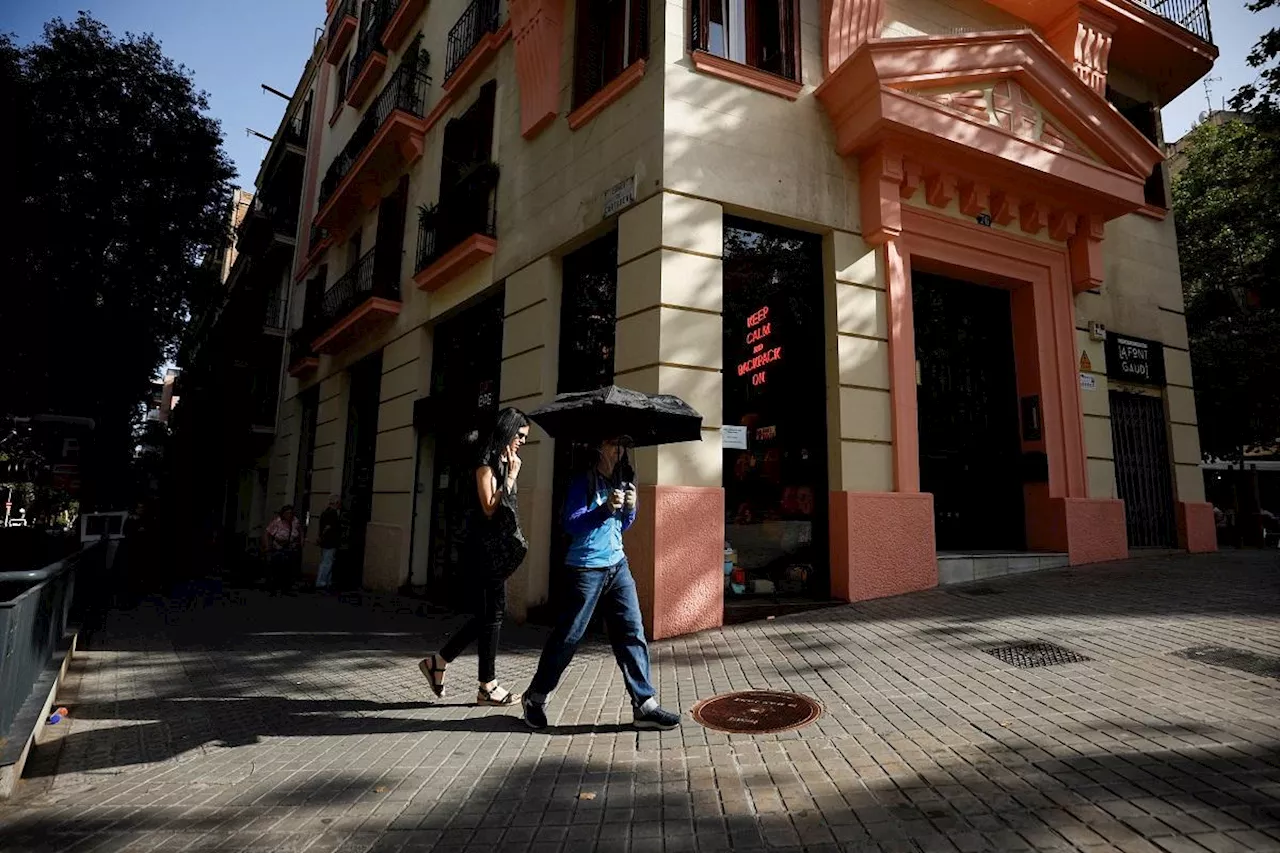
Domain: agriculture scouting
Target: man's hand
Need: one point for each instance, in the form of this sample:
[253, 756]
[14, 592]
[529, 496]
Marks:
[616, 499]
[629, 498]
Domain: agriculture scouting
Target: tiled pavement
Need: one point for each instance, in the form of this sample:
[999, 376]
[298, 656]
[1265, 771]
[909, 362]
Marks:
[231, 721]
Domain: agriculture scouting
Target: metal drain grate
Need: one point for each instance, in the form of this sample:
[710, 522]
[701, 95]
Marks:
[1031, 655]
[1238, 659]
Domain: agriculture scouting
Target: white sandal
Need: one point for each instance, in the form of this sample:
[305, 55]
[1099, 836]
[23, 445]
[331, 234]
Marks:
[497, 696]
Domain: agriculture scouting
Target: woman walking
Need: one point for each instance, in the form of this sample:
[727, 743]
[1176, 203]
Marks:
[600, 506]
[495, 490]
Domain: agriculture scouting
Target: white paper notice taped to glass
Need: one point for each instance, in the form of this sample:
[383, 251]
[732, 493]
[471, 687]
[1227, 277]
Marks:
[734, 437]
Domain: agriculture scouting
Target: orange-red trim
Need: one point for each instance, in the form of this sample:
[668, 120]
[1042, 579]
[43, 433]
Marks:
[402, 21]
[397, 144]
[303, 366]
[736, 72]
[337, 111]
[313, 257]
[479, 57]
[614, 89]
[367, 79]
[940, 243]
[368, 314]
[1153, 212]
[341, 38]
[456, 261]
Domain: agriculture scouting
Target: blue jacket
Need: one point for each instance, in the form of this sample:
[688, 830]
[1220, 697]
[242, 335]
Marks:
[596, 530]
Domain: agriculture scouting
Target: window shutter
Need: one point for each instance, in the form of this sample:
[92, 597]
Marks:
[588, 54]
[787, 39]
[639, 26]
[697, 21]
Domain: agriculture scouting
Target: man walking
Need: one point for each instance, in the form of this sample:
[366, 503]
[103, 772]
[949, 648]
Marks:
[330, 536]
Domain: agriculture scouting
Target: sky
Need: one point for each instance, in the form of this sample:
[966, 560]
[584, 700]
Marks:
[232, 46]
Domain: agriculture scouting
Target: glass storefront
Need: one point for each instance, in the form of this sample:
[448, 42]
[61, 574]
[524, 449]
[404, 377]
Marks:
[775, 415]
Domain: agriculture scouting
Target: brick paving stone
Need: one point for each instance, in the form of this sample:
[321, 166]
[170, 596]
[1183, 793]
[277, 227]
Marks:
[230, 721]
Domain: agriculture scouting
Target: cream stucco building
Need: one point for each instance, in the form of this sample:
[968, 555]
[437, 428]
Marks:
[910, 259]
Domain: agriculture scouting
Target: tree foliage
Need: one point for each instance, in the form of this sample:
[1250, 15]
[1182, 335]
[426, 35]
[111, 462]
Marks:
[1262, 97]
[1227, 203]
[121, 190]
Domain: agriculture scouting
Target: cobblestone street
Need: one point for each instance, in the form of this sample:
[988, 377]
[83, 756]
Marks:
[233, 721]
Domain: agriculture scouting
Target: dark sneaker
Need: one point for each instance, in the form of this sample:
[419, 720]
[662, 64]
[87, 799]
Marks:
[656, 717]
[535, 714]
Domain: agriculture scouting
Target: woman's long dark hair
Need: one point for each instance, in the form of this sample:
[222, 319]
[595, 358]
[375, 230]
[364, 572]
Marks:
[505, 428]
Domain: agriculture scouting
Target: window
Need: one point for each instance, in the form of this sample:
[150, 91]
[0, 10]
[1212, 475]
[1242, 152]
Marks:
[758, 33]
[340, 93]
[1144, 116]
[610, 36]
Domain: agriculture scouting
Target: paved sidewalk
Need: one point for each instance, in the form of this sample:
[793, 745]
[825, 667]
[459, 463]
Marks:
[234, 721]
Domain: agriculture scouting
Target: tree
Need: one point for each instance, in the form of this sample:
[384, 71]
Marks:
[121, 189]
[1262, 97]
[1227, 203]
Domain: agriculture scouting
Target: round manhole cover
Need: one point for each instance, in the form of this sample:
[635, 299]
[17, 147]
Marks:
[756, 712]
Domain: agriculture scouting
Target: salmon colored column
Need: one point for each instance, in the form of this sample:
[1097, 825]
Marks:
[669, 340]
[881, 525]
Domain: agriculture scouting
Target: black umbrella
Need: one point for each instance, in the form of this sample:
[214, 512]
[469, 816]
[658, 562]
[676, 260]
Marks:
[610, 412]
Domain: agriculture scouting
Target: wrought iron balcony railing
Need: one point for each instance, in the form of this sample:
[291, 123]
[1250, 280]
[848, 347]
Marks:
[1191, 15]
[465, 210]
[406, 90]
[277, 313]
[373, 19]
[346, 9]
[296, 130]
[362, 281]
[479, 19]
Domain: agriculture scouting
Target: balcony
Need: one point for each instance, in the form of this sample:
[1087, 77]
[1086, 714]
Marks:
[387, 141]
[297, 129]
[459, 231]
[1191, 15]
[370, 58]
[266, 222]
[275, 317]
[363, 299]
[341, 29]
[302, 358]
[1168, 43]
[401, 21]
[473, 43]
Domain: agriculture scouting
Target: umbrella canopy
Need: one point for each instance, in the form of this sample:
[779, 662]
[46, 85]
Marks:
[593, 416]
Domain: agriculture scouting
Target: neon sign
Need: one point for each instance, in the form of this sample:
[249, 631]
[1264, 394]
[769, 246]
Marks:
[759, 332]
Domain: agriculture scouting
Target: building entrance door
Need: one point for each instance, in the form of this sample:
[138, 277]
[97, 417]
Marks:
[970, 449]
[1143, 479]
[466, 367]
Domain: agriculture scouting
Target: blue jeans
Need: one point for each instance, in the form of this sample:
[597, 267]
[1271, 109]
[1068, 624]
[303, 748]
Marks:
[324, 577]
[615, 590]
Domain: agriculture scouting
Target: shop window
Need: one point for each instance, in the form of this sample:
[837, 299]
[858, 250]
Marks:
[1144, 116]
[775, 453]
[758, 33]
[610, 35]
[588, 323]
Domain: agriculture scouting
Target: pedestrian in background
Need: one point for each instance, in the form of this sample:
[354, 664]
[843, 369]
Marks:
[600, 505]
[485, 551]
[282, 543]
[330, 537]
